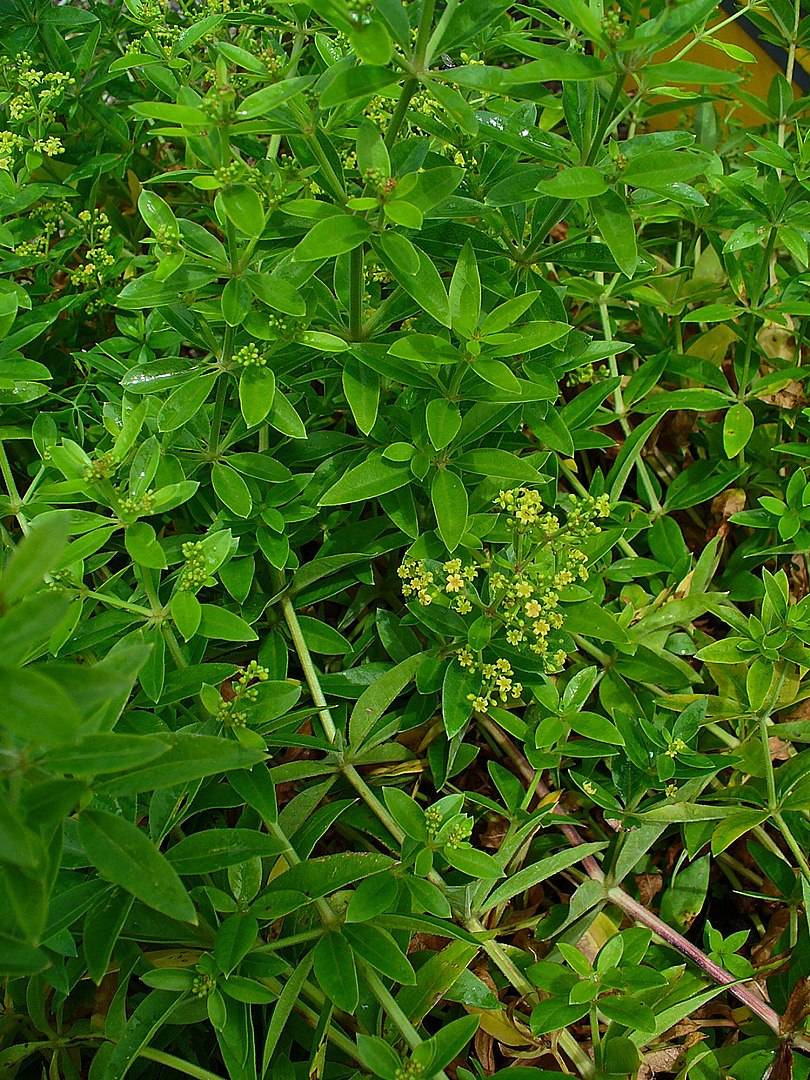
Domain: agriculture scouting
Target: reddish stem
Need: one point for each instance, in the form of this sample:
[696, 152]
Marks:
[617, 895]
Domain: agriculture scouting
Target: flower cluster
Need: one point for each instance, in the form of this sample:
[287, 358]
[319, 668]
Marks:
[11, 144]
[420, 582]
[102, 468]
[131, 506]
[194, 573]
[41, 90]
[497, 683]
[202, 986]
[98, 259]
[242, 691]
[48, 219]
[249, 356]
[517, 591]
[450, 832]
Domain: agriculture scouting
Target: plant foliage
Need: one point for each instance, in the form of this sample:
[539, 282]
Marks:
[404, 612]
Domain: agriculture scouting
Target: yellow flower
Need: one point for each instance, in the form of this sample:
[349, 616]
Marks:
[533, 609]
[455, 582]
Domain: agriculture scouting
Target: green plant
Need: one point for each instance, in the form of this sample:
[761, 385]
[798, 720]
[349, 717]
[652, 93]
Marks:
[405, 550]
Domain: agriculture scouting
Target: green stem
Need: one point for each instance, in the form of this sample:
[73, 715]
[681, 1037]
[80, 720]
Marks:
[409, 88]
[395, 1013]
[114, 601]
[770, 776]
[150, 590]
[554, 214]
[219, 403]
[607, 120]
[580, 489]
[8, 476]
[793, 844]
[310, 674]
[423, 33]
[326, 168]
[437, 35]
[174, 646]
[176, 1063]
[356, 289]
[618, 398]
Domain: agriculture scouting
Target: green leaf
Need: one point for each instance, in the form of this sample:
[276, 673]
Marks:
[334, 236]
[425, 284]
[530, 876]
[104, 752]
[356, 82]
[616, 226]
[554, 1016]
[190, 758]
[35, 708]
[143, 546]
[284, 418]
[215, 849]
[370, 41]
[185, 115]
[335, 971]
[446, 1045]
[738, 427]
[677, 72]
[156, 212]
[378, 1057]
[377, 697]
[474, 863]
[34, 557]
[406, 812]
[459, 686]
[373, 477]
[378, 949]
[361, 387]
[146, 1019]
[185, 401]
[265, 101]
[465, 293]
[257, 388]
[726, 651]
[127, 857]
[449, 497]
[243, 207]
[322, 638]
[497, 463]
[235, 301]
[218, 622]
[425, 349]
[276, 293]
[443, 419]
[575, 182]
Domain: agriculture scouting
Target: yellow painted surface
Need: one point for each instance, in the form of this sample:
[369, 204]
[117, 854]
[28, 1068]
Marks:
[756, 80]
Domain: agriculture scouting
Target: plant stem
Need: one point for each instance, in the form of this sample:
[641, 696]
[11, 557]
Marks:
[793, 844]
[176, 1063]
[633, 908]
[493, 949]
[618, 399]
[438, 33]
[770, 777]
[219, 409]
[356, 290]
[310, 674]
[423, 33]
[409, 88]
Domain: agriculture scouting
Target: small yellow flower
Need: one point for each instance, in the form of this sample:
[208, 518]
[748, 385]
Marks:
[455, 582]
